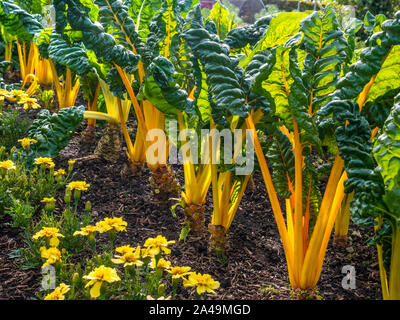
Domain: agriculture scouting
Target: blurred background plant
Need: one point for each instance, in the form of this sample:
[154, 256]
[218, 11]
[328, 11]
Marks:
[386, 7]
[12, 127]
[47, 97]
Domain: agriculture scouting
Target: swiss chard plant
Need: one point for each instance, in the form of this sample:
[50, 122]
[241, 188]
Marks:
[369, 88]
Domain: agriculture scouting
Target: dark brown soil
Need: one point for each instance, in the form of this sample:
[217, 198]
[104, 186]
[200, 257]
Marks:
[255, 268]
[14, 282]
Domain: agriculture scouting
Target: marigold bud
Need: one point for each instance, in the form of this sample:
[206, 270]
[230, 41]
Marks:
[161, 289]
[75, 278]
[88, 206]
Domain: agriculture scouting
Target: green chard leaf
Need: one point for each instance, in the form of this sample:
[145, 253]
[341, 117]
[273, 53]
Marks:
[387, 154]
[281, 28]
[96, 38]
[223, 76]
[162, 90]
[325, 45]
[240, 37]
[52, 133]
[18, 22]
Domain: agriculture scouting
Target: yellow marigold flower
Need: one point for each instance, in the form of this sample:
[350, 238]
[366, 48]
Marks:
[58, 293]
[7, 165]
[44, 161]
[51, 233]
[161, 264]
[146, 254]
[157, 244]
[129, 258]
[60, 172]
[48, 200]
[179, 272]
[26, 142]
[3, 94]
[160, 298]
[87, 231]
[52, 255]
[71, 164]
[109, 224]
[18, 94]
[202, 282]
[124, 249]
[98, 276]
[78, 185]
[29, 103]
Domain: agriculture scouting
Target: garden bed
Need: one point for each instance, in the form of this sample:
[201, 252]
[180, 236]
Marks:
[255, 267]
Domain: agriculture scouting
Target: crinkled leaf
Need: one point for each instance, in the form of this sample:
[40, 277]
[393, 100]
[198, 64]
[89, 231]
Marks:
[387, 155]
[325, 45]
[18, 22]
[240, 37]
[162, 90]
[222, 72]
[52, 132]
[72, 56]
[95, 38]
[281, 28]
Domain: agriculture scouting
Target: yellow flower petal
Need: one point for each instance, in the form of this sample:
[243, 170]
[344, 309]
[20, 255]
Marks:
[95, 290]
[54, 242]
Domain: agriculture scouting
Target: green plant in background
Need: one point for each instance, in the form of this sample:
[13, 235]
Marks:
[21, 212]
[27, 185]
[233, 9]
[270, 9]
[388, 7]
[47, 97]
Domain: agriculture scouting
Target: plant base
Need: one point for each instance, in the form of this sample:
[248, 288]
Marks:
[164, 184]
[110, 145]
[194, 215]
[218, 240]
[339, 241]
[88, 135]
[306, 294]
[132, 169]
